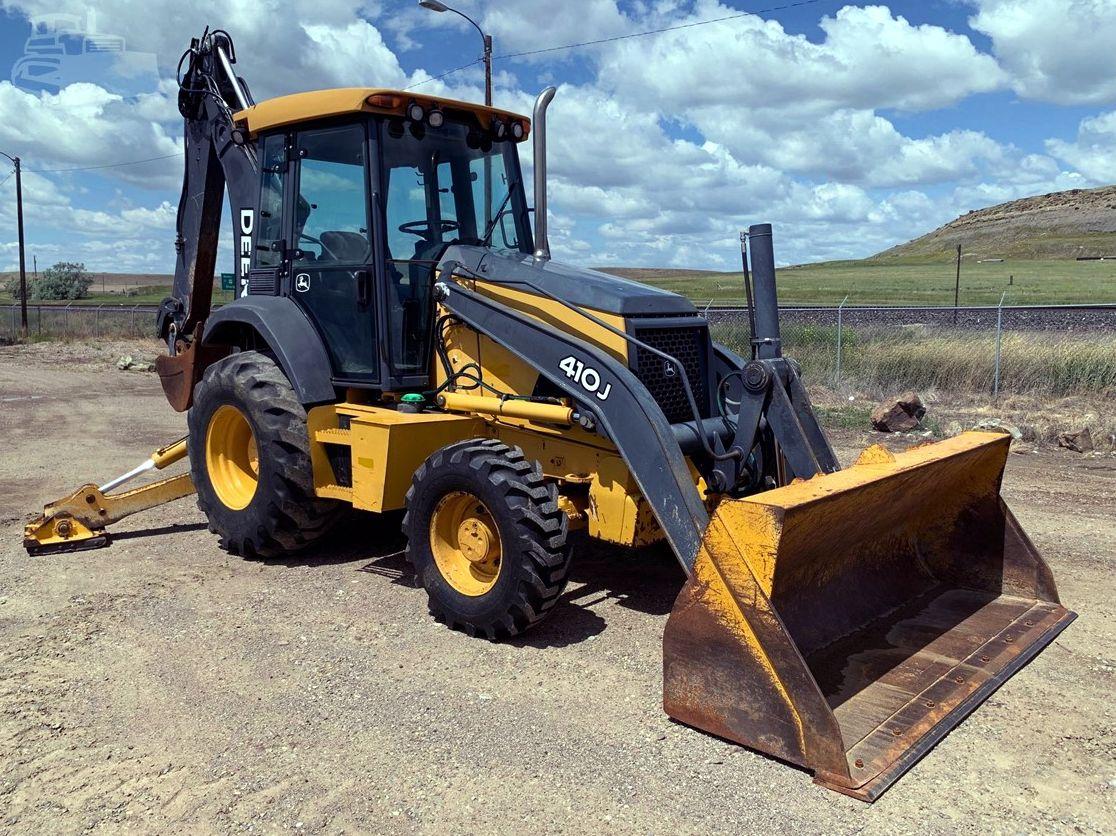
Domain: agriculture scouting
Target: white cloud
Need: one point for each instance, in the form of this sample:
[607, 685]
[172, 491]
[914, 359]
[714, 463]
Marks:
[665, 147]
[868, 59]
[1094, 151]
[1060, 51]
[83, 125]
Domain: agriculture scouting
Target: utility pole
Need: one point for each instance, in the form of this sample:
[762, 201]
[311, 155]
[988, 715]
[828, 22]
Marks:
[957, 285]
[22, 256]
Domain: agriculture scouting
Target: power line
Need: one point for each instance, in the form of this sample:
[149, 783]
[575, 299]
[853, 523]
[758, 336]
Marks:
[94, 167]
[675, 28]
[614, 38]
[443, 75]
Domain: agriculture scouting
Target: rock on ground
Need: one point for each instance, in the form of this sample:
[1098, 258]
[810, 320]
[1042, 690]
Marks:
[899, 415]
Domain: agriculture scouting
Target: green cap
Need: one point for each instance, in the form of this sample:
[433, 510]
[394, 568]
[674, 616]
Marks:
[413, 397]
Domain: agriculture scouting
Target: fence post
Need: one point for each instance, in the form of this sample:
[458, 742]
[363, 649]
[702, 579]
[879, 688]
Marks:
[840, 328]
[39, 311]
[133, 329]
[999, 337]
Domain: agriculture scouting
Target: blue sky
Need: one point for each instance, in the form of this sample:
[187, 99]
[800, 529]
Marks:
[849, 126]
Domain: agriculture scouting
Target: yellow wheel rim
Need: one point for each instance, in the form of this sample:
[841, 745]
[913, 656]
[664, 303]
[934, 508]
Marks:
[466, 543]
[231, 457]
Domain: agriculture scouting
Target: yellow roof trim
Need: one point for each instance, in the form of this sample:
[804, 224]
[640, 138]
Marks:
[321, 104]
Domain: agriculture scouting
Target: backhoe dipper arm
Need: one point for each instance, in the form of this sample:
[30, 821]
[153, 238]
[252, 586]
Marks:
[218, 154]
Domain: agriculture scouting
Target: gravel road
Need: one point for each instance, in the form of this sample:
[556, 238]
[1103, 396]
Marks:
[161, 685]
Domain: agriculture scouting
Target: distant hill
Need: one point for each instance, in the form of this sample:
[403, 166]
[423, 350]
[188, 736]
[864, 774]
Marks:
[1070, 224]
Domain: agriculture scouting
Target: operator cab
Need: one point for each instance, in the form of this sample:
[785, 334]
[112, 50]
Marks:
[357, 203]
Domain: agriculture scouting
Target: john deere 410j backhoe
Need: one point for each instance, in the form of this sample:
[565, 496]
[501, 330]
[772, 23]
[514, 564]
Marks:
[401, 339]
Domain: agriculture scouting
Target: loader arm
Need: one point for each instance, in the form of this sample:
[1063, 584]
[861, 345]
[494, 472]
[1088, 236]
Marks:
[627, 414]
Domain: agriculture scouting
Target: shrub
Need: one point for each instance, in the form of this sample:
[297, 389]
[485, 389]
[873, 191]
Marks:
[64, 280]
[11, 287]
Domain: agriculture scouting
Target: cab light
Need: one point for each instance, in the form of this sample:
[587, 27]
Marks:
[385, 100]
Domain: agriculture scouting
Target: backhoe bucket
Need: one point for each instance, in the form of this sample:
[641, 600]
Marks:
[848, 622]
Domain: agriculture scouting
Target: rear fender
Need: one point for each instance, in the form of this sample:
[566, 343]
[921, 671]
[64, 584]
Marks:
[287, 333]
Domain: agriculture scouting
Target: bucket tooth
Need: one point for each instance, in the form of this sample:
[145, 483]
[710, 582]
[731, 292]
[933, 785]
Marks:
[848, 622]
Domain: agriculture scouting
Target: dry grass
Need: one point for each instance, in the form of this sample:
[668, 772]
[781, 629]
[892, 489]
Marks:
[889, 358]
[1035, 362]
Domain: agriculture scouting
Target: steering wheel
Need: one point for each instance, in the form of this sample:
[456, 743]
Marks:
[423, 229]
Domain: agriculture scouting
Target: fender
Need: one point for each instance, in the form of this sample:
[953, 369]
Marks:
[290, 336]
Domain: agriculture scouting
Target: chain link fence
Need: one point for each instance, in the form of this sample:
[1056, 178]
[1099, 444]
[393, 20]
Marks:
[78, 321]
[1053, 350]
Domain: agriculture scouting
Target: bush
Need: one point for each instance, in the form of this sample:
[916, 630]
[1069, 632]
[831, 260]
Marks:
[11, 287]
[65, 280]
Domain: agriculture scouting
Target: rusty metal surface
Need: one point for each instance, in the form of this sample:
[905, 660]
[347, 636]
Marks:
[846, 623]
[904, 738]
[180, 373]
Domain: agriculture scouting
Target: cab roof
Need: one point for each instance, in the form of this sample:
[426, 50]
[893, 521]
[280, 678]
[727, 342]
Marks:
[321, 104]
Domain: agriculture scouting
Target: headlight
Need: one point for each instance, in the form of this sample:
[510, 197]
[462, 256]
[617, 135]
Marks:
[436, 119]
[499, 129]
[415, 112]
[517, 130]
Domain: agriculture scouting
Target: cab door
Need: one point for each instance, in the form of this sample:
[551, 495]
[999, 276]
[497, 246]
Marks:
[331, 254]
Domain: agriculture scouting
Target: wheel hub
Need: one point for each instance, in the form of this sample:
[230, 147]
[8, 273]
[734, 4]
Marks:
[466, 543]
[231, 457]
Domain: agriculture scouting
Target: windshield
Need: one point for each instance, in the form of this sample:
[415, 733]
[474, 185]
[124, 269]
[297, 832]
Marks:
[449, 184]
[440, 185]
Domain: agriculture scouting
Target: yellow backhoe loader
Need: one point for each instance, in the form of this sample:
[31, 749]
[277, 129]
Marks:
[401, 339]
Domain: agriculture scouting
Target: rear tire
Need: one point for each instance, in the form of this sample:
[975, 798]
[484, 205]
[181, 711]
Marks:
[486, 538]
[250, 459]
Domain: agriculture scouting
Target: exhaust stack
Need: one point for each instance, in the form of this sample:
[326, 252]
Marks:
[766, 337]
[538, 126]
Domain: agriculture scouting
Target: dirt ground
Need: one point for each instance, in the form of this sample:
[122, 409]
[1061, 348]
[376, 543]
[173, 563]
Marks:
[161, 685]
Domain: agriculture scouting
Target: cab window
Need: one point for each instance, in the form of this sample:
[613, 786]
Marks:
[331, 211]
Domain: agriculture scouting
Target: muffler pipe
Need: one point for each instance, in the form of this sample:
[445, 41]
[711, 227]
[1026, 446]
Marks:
[538, 126]
[767, 341]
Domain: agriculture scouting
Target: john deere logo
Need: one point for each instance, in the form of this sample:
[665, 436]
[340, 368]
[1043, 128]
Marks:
[669, 370]
[302, 282]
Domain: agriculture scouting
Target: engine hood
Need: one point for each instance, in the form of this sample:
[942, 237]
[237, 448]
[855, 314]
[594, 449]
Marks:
[578, 286]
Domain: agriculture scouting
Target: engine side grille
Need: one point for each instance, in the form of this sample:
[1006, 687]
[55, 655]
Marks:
[688, 345]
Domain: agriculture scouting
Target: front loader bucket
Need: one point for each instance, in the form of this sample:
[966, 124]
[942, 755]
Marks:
[848, 622]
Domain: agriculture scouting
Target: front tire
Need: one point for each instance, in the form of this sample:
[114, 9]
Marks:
[487, 538]
[250, 459]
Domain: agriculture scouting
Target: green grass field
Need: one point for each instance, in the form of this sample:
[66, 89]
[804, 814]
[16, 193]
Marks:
[907, 282]
[867, 282]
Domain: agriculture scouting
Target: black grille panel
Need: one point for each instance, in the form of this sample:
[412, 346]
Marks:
[262, 282]
[687, 344]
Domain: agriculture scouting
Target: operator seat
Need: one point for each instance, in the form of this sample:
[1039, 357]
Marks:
[348, 247]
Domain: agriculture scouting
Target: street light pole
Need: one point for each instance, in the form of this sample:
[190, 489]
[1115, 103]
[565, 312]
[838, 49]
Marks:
[22, 255]
[438, 6]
